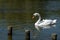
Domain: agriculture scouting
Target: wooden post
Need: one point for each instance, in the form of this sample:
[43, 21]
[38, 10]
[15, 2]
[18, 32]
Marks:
[54, 36]
[10, 33]
[27, 35]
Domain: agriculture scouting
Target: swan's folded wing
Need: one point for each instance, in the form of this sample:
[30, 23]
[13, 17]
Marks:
[45, 22]
[40, 22]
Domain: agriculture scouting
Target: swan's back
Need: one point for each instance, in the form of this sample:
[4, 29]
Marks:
[49, 20]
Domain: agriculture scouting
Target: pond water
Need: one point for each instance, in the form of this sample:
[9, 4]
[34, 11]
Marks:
[27, 23]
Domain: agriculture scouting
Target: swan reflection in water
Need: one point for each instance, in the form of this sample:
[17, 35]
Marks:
[47, 27]
[37, 33]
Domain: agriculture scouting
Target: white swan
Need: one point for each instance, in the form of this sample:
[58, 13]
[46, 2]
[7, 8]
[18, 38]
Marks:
[43, 22]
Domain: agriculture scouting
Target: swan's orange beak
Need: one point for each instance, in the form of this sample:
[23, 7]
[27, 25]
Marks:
[32, 17]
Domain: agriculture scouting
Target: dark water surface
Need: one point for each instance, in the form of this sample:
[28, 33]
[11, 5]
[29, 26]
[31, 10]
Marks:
[23, 22]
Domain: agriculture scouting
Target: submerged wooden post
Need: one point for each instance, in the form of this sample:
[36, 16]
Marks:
[54, 36]
[27, 35]
[10, 33]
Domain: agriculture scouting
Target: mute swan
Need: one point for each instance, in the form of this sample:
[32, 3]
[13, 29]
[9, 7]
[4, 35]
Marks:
[43, 22]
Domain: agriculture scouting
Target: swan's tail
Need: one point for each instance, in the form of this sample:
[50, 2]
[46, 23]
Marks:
[54, 21]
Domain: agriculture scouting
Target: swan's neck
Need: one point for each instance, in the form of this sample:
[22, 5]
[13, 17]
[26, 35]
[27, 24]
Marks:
[38, 19]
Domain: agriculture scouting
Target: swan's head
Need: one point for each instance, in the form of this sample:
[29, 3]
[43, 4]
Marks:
[35, 14]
